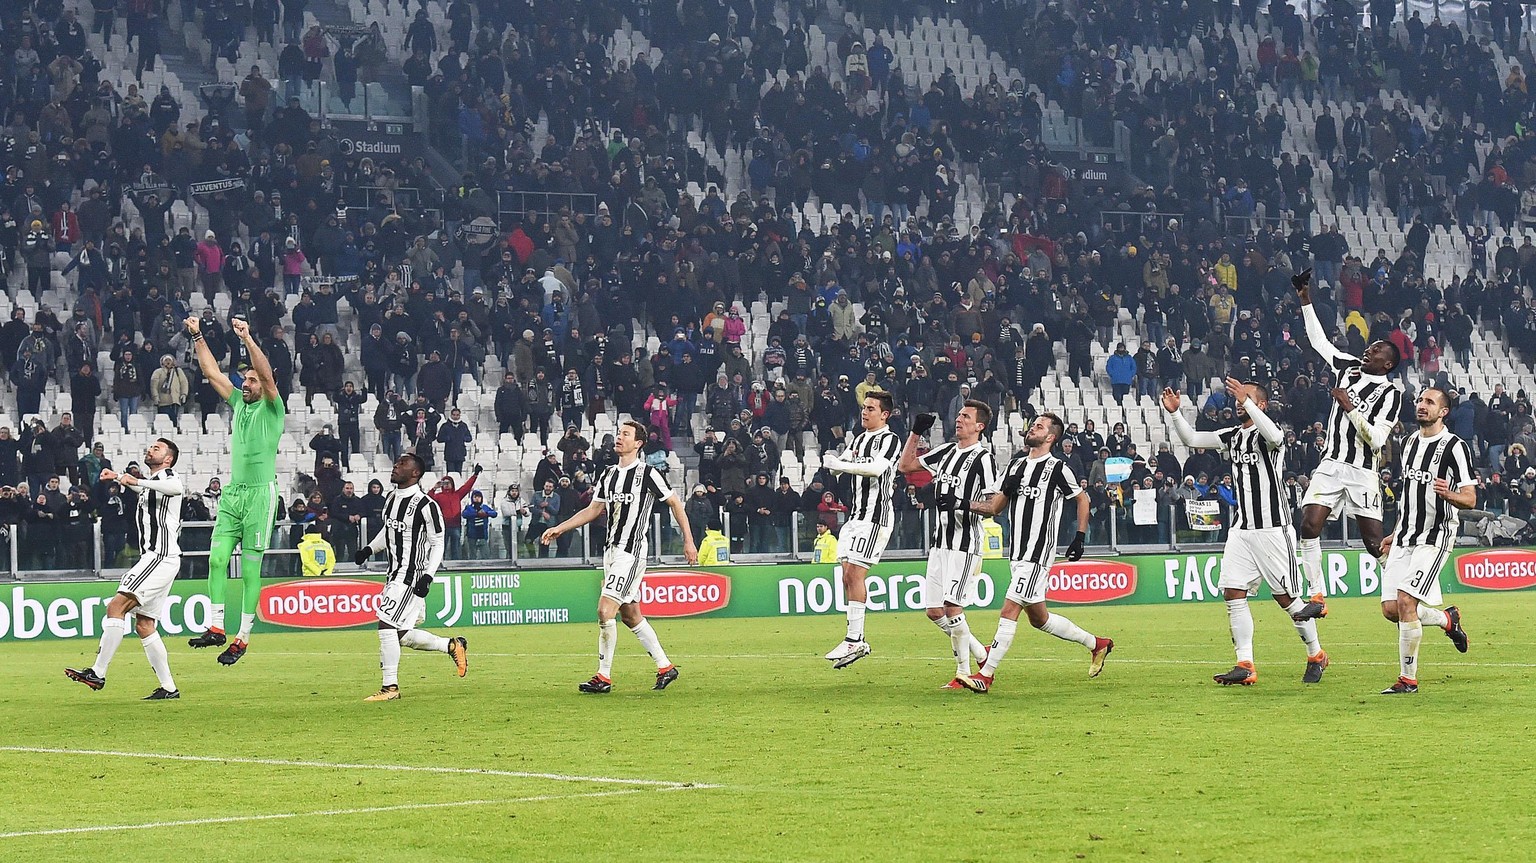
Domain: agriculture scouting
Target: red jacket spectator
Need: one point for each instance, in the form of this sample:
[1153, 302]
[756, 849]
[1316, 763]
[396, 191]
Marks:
[451, 500]
[66, 226]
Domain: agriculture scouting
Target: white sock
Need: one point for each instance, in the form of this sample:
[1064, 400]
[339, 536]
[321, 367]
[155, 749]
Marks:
[154, 649]
[1000, 644]
[607, 640]
[855, 620]
[943, 624]
[1066, 630]
[420, 639]
[1433, 617]
[1311, 551]
[651, 643]
[960, 643]
[246, 622]
[389, 656]
[1409, 634]
[1307, 629]
[217, 621]
[112, 631]
[1240, 618]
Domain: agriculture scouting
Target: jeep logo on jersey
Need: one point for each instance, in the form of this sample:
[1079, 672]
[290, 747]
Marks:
[1090, 581]
[683, 594]
[321, 603]
[1501, 569]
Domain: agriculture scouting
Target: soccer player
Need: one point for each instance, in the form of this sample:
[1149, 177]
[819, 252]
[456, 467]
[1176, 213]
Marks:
[963, 471]
[870, 458]
[248, 505]
[143, 588]
[413, 536]
[1437, 481]
[1366, 405]
[627, 492]
[1259, 545]
[1036, 484]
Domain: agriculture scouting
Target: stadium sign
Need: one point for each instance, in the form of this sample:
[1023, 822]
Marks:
[320, 603]
[1498, 569]
[680, 593]
[1090, 581]
[62, 610]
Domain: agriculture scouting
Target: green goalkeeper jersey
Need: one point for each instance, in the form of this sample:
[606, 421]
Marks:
[258, 428]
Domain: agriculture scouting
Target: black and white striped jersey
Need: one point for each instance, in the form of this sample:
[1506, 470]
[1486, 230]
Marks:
[873, 496]
[412, 534]
[1423, 517]
[1035, 489]
[1378, 398]
[630, 493]
[1258, 473]
[969, 474]
[159, 513]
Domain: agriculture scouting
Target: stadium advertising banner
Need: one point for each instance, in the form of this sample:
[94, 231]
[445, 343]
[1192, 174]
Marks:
[56, 610]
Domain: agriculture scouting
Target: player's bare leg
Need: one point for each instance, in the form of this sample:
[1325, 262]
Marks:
[853, 647]
[666, 672]
[389, 664]
[950, 618]
[1309, 546]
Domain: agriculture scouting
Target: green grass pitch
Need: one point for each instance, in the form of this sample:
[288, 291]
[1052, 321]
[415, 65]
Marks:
[1152, 761]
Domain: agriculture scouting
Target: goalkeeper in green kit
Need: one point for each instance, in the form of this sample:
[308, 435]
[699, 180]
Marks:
[248, 505]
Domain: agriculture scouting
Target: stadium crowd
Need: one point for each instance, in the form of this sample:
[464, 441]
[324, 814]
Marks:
[891, 296]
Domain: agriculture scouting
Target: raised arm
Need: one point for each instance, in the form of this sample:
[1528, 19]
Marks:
[1182, 428]
[260, 365]
[909, 463]
[1315, 335]
[1271, 433]
[206, 363]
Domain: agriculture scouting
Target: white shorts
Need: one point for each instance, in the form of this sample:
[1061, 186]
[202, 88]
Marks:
[149, 581]
[1346, 490]
[1027, 582]
[1263, 554]
[1415, 571]
[949, 577]
[862, 542]
[623, 574]
[400, 607]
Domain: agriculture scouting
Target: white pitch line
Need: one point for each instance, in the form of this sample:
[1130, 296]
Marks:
[779, 657]
[658, 784]
[277, 816]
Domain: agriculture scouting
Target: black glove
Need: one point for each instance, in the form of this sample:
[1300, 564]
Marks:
[362, 555]
[923, 423]
[424, 582]
[477, 468]
[950, 502]
[1075, 550]
[1301, 279]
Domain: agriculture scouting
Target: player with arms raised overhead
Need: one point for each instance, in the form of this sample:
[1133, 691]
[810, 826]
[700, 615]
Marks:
[870, 459]
[1437, 481]
[413, 536]
[963, 471]
[144, 588]
[627, 492]
[1259, 546]
[1366, 405]
[1036, 484]
[248, 505]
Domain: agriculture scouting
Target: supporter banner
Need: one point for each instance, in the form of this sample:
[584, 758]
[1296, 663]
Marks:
[55, 610]
[1203, 514]
[215, 186]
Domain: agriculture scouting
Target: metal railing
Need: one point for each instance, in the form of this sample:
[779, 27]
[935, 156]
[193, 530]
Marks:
[39, 551]
[514, 206]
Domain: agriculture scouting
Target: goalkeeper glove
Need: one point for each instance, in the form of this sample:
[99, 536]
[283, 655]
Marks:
[362, 555]
[424, 584]
[923, 423]
[1075, 550]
